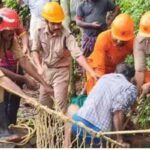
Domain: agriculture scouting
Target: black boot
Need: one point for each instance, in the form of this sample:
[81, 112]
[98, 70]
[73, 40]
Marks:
[4, 131]
[12, 103]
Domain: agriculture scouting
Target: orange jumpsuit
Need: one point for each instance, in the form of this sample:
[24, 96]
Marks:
[106, 56]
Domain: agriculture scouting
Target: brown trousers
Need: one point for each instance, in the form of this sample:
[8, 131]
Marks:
[58, 79]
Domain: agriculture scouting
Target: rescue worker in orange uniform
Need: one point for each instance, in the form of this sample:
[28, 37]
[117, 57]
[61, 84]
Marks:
[111, 48]
[141, 52]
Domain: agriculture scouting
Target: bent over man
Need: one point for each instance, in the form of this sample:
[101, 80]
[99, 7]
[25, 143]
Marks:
[105, 106]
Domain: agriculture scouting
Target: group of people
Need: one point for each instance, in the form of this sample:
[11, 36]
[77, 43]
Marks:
[110, 49]
[102, 111]
[118, 42]
[110, 92]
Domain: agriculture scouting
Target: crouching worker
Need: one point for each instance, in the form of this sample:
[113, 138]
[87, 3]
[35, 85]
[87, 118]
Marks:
[105, 106]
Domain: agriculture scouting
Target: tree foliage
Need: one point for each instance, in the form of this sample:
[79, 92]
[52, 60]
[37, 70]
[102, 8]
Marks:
[23, 11]
[143, 117]
[135, 8]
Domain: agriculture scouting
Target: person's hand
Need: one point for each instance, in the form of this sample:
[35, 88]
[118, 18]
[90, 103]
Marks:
[31, 84]
[146, 88]
[95, 24]
[95, 76]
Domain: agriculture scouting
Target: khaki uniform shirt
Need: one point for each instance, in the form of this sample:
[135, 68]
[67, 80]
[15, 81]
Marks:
[141, 50]
[56, 50]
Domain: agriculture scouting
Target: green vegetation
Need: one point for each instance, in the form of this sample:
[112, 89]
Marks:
[135, 8]
[22, 10]
[143, 118]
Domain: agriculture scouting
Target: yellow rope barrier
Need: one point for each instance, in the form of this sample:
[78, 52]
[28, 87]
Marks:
[49, 127]
[123, 132]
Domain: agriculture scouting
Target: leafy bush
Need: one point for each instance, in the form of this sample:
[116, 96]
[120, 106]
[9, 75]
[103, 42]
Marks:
[135, 8]
[23, 11]
[143, 117]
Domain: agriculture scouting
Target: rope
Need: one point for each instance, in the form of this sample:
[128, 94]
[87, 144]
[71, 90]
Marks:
[24, 126]
[49, 127]
[123, 132]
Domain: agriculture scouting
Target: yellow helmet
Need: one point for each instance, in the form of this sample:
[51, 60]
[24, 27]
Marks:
[123, 27]
[145, 24]
[53, 12]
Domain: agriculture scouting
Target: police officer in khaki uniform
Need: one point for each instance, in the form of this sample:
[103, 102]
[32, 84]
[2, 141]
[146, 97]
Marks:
[141, 52]
[57, 46]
